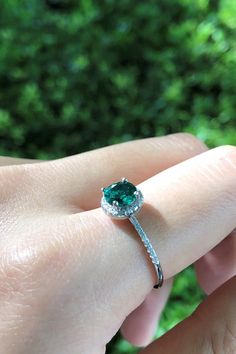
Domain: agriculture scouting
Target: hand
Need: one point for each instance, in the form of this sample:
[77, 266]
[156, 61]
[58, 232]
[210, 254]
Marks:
[70, 275]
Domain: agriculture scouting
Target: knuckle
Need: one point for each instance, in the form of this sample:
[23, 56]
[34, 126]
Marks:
[29, 282]
[229, 339]
[190, 141]
[8, 175]
[227, 166]
[34, 258]
[17, 270]
[12, 278]
[223, 166]
[26, 171]
[10, 193]
[26, 186]
[189, 136]
[20, 173]
[221, 342]
[227, 153]
[26, 269]
[217, 338]
[16, 186]
[217, 329]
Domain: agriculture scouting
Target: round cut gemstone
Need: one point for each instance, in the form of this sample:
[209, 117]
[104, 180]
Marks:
[123, 193]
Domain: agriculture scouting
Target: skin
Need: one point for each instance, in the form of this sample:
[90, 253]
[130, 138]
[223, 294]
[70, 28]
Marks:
[71, 277]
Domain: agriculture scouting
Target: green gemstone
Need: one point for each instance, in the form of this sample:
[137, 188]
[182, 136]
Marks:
[120, 192]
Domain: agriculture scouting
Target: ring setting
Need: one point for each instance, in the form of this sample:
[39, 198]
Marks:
[123, 200]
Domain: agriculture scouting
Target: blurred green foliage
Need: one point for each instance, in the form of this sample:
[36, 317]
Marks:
[76, 75]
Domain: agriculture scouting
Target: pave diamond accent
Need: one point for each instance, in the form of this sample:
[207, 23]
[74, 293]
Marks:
[150, 250]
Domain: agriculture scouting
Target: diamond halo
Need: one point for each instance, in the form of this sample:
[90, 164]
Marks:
[118, 211]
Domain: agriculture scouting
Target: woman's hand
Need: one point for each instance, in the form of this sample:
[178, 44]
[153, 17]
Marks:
[70, 275]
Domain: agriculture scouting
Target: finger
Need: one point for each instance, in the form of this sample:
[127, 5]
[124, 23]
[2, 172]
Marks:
[8, 161]
[217, 266]
[83, 175]
[140, 326]
[211, 329]
[189, 209]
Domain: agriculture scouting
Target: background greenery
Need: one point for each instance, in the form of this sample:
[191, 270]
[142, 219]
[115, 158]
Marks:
[76, 75]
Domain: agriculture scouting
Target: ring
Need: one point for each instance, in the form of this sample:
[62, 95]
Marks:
[122, 200]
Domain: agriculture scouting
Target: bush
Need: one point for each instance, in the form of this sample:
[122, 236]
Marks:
[76, 75]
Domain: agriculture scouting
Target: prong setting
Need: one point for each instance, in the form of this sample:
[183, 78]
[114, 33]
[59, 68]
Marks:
[123, 212]
[124, 180]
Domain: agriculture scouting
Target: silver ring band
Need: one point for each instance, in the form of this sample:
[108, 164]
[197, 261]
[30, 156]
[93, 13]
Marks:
[150, 250]
[122, 200]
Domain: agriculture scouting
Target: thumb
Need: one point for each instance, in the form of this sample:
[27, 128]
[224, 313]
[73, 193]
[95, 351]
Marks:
[211, 328]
